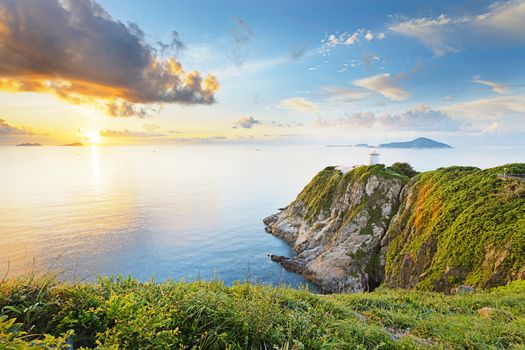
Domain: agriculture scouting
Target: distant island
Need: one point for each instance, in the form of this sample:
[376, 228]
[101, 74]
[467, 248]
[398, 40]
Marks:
[29, 144]
[74, 144]
[420, 142]
[366, 145]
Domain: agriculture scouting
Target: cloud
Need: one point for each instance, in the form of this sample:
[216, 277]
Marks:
[6, 129]
[77, 51]
[369, 58]
[420, 118]
[175, 46]
[297, 52]
[348, 39]
[151, 127]
[126, 133]
[299, 104]
[357, 120]
[198, 140]
[344, 94]
[494, 108]
[385, 85]
[501, 25]
[176, 42]
[497, 88]
[282, 124]
[242, 35]
[247, 122]
[501, 113]
[124, 109]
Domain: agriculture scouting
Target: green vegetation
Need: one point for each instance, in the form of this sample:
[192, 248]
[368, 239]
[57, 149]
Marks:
[455, 226]
[459, 225]
[403, 168]
[329, 184]
[122, 313]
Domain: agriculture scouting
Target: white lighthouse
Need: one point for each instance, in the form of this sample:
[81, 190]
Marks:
[374, 158]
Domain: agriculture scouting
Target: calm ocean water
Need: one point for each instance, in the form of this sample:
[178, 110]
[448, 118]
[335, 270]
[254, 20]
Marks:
[169, 211]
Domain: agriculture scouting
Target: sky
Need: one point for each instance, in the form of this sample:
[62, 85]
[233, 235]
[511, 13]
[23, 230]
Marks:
[261, 72]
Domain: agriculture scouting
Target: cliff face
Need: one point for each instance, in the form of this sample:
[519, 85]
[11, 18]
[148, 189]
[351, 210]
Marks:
[336, 225]
[353, 230]
[457, 225]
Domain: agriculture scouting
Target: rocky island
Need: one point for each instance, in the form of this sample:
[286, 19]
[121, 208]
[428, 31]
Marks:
[356, 229]
[420, 142]
[29, 144]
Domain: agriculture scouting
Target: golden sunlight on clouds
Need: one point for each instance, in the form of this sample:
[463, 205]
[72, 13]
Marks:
[128, 80]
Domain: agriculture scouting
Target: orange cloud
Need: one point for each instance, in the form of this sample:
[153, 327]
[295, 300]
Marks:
[77, 51]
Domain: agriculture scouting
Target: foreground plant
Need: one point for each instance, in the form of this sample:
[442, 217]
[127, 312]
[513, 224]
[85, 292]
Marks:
[123, 313]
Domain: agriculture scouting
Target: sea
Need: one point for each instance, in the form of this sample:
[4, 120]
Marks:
[179, 212]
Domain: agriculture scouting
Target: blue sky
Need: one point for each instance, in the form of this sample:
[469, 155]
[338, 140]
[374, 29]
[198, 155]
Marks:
[290, 72]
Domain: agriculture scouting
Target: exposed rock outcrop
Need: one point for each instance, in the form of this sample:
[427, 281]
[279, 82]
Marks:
[355, 228]
[336, 225]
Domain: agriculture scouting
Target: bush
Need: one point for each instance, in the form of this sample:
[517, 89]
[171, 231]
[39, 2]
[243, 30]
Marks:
[403, 169]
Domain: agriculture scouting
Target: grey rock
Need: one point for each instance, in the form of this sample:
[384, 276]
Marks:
[339, 248]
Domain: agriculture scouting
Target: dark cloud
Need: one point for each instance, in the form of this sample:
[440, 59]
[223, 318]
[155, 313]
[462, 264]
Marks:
[247, 122]
[125, 109]
[75, 49]
[176, 42]
[175, 46]
[297, 52]
[242, 35]
[6, 129]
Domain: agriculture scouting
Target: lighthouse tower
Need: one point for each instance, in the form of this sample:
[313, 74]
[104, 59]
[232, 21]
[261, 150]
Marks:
[374, 158]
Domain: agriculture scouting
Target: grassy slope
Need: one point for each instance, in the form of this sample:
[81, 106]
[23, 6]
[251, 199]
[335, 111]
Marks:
[466, 221]
[329, 184]
[123, 313]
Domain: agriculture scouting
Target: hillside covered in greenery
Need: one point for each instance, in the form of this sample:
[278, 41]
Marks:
[458, 225]
[356, 228]
[123, 313]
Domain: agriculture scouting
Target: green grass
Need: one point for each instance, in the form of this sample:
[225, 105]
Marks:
[462, 225]
[122, 313]
[329, 184]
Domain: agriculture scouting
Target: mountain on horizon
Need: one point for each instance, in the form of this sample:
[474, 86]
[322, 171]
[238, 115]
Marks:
[420, 142]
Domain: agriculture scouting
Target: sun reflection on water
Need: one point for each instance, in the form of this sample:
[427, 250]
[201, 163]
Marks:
[95, 169]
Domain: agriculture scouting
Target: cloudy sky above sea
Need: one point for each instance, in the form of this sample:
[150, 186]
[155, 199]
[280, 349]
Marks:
[283, 72]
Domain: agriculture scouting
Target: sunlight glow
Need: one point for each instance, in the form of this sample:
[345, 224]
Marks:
[92, 137]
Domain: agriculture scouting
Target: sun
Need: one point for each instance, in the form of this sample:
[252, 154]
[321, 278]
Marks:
[92, 137]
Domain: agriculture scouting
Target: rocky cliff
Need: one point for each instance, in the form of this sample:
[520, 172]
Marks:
[336, 225]
[354, 229]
